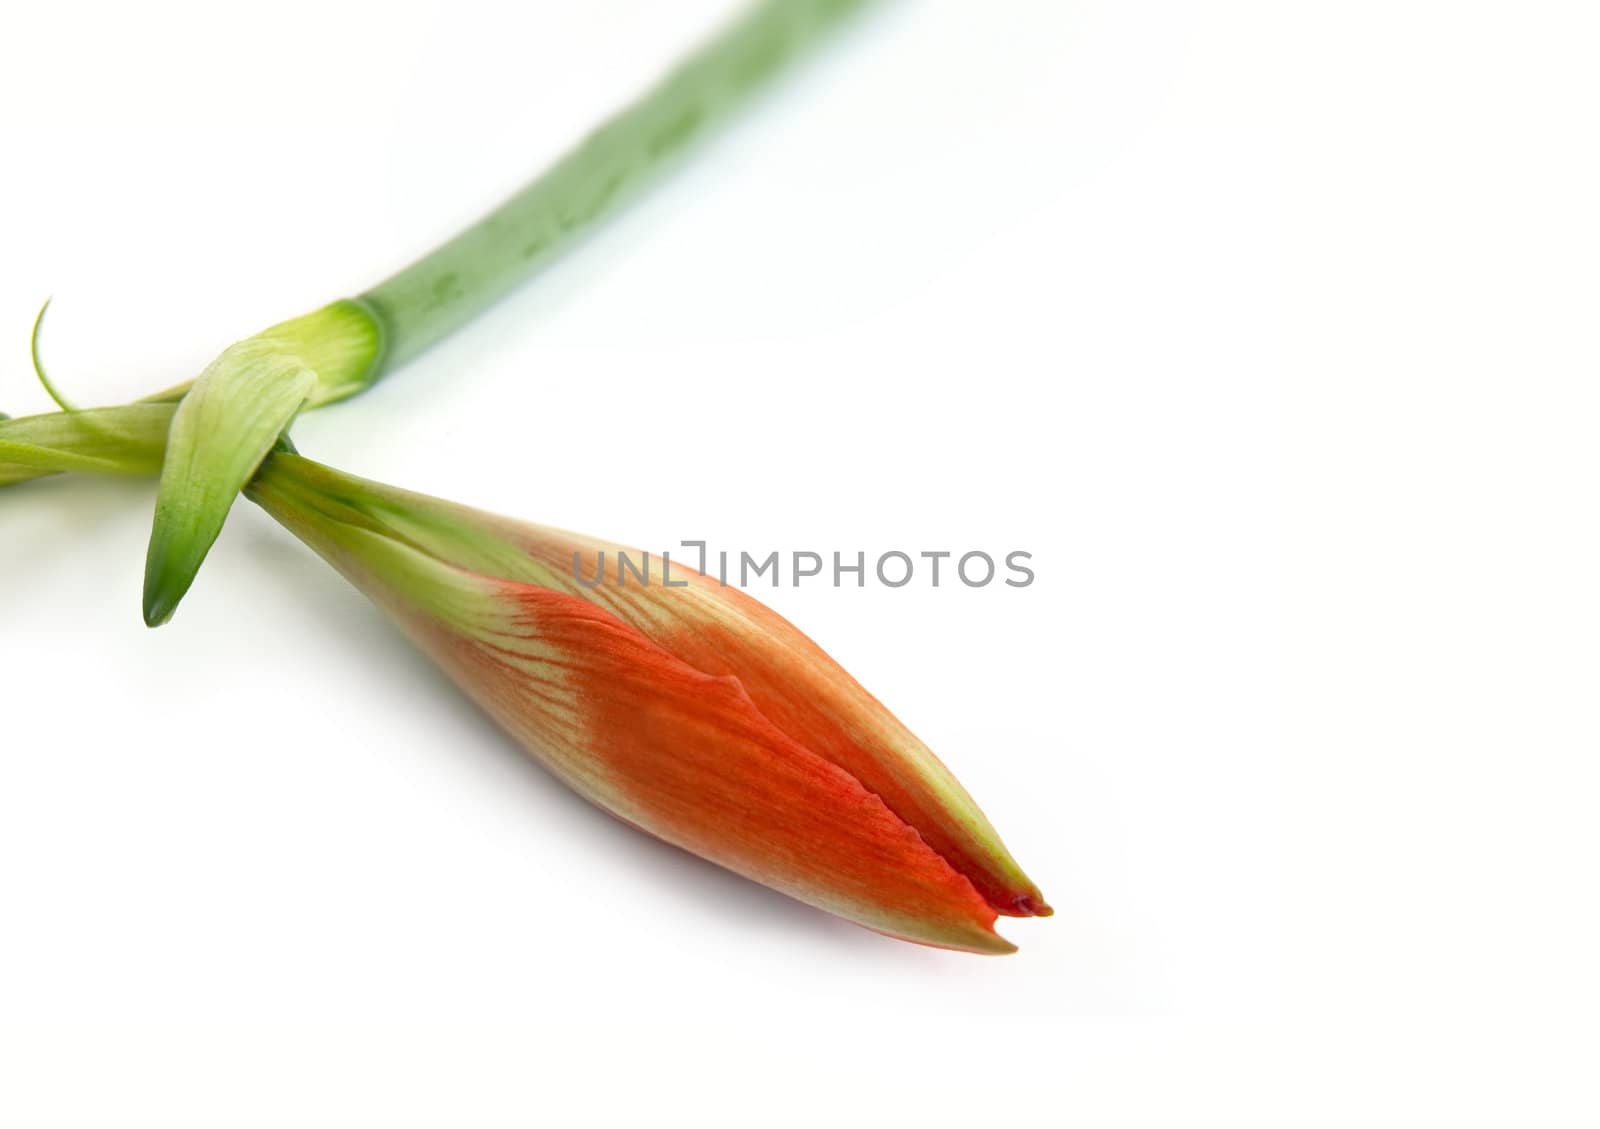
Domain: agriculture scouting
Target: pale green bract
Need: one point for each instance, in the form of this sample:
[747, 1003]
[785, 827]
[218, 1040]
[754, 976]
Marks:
[228, 421]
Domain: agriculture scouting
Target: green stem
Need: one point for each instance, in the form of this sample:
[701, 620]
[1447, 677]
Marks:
[452, 284]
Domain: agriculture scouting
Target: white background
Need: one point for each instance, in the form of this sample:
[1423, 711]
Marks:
[1269, 331]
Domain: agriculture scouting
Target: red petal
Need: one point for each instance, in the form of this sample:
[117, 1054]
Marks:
[689, 758]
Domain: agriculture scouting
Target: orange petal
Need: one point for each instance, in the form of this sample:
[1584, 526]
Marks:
[718, 630]
[682, 754]
[689, 758]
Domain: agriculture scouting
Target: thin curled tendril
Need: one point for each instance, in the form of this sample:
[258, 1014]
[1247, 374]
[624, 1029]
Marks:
[96, 426]
[38, 364]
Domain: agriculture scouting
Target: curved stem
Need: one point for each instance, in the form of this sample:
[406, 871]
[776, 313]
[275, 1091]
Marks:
[452, 284]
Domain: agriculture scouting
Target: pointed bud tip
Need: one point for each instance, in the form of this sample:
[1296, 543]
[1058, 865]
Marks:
[163, 590]
[1031, 905]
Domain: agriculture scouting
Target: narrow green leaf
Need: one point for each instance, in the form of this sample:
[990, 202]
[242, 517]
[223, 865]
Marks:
[220, 432]
[227, 421]
[127, 440]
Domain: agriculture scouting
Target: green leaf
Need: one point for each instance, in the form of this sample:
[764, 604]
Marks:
[128, 440]
[220, 433]
[231, 417]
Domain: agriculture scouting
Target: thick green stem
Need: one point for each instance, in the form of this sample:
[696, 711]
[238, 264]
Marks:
[436, 295]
